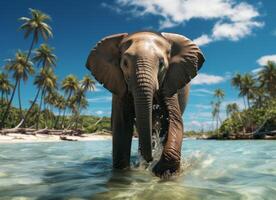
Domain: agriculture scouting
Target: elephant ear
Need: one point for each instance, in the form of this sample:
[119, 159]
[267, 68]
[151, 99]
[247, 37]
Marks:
[104, 64]
[185, 60]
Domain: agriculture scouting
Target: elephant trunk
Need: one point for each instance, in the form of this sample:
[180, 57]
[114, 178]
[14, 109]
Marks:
[143, 97]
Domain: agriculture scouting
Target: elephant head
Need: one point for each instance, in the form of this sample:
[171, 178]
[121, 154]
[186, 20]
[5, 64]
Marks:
[143, 63]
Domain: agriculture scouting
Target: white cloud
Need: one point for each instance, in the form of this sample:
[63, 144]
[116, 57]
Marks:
[111, 7]
[264, 59]
[203, 106]
[100, 99]
[233, 20]
[207, 79]
[255, 71]
[196, 125]
[200, 92]
[102, 112]
[99, 112]
[234, 31]
[200, 115]
[202, 40]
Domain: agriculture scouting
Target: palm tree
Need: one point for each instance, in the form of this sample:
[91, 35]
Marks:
[77, 103]
[70, 86]
[231, 109]
[20, 71]
[51, 99]
[60, 105]
[87, 83]
[246, 84]
[37, 26]
[259, 95]
[23, 71]
[267, 78]
[214, 112]
[5, 86]
[47, 81]
[44, 55]
[219, 95]
[237, 83]
[247, 89]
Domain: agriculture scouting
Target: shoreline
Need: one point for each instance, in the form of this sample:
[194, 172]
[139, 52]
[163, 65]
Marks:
[11, 138]
[23, 138]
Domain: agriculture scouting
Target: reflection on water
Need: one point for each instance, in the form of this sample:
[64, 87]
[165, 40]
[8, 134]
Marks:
[83, 170]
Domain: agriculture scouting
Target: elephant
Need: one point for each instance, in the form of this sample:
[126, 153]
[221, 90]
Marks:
[148, 74]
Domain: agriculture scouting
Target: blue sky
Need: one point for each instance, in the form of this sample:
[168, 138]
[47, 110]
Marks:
[235, 36]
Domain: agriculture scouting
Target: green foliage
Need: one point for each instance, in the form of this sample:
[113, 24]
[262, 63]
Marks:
[260, 92]
[36, 25]
[70, 97]
[250, 119]
[90, 123]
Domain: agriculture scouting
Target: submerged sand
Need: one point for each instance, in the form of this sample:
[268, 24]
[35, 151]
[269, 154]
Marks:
[23, 138]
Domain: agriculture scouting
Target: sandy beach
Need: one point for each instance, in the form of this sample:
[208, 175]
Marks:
[23, 138]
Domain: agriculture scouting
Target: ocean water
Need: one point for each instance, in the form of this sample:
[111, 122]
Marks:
[83, 170]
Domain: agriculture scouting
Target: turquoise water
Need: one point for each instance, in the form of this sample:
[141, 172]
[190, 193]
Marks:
[83, 170]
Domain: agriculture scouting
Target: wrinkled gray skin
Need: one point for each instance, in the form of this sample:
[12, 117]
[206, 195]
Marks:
[148, 74]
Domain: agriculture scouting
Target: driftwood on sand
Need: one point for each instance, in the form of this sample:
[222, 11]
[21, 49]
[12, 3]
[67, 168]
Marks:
[66, 139]
[30, 131]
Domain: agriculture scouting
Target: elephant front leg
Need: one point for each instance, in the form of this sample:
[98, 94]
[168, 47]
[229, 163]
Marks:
[171, 156]
[122, 131]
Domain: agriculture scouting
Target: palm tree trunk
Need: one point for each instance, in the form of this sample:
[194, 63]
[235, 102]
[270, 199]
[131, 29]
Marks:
[40, 105]
[243, 128]
[248, 102]
[244, 102]
[217, 124]
[77, 120]
[5, 116]
[63, 116]
[30, 49]
[57, 120]
[29, 110]
[78, 116]
[19, 99]
[213, 122]
[2, 97]
[49, 116]
[27, 59]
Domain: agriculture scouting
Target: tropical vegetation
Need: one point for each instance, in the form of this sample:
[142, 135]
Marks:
[55, 104]
[259, 94]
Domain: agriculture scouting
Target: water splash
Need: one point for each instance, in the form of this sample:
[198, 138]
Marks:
[157, 146]
[194, 160]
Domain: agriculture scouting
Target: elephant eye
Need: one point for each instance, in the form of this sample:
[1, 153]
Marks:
[125, 64]
[161, 63]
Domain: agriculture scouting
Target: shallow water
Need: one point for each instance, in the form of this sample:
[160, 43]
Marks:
[83, 170]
